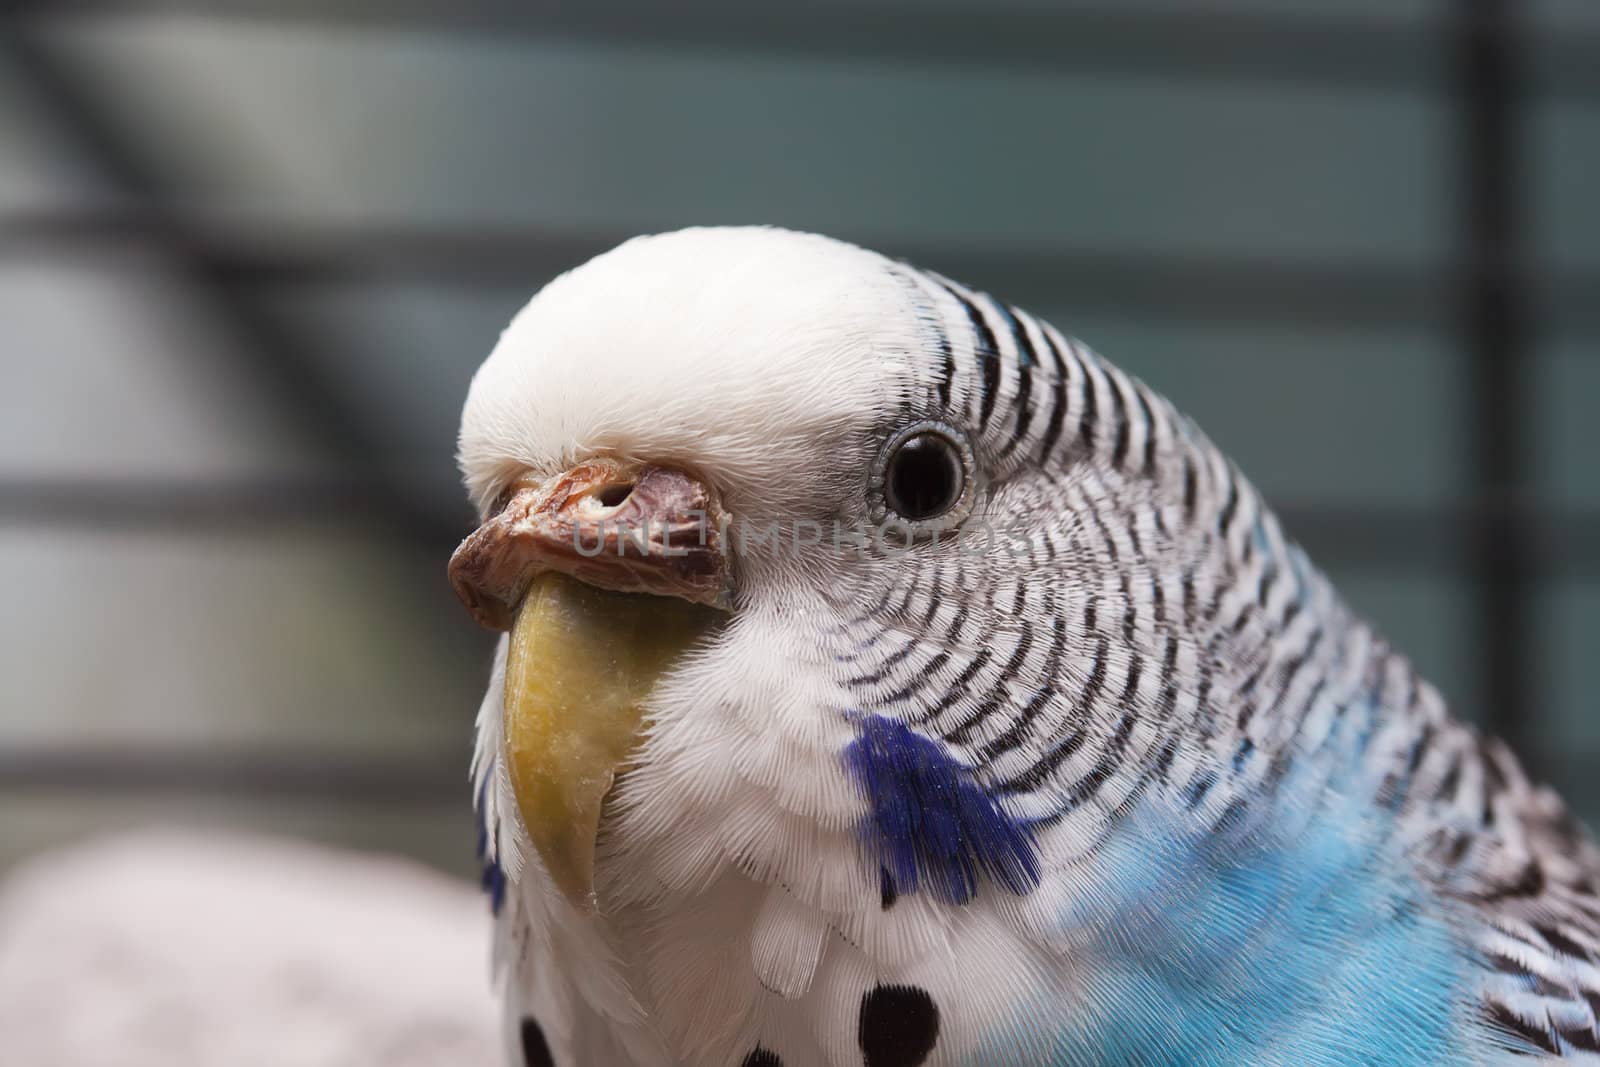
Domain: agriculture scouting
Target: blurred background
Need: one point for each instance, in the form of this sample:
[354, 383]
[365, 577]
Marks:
[251, 252]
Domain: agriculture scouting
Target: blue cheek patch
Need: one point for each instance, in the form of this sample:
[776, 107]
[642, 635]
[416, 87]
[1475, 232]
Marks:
[493, 879]
[931, 826]
[494, 884]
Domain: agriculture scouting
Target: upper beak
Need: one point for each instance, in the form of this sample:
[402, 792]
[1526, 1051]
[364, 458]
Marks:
[562, 566]
[627, 527]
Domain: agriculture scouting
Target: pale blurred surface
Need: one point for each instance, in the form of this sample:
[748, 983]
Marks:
[191, 949]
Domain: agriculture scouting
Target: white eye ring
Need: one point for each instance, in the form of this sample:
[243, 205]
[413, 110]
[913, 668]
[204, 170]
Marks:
[924, 479]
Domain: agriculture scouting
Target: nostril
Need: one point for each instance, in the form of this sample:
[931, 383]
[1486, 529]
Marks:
[612, 495]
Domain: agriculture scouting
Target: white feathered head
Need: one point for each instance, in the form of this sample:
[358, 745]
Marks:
[760, 508]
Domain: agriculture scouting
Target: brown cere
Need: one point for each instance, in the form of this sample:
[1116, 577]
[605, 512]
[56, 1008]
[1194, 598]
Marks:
[625, 527]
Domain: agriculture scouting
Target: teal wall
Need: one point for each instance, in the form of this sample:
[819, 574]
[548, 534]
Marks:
[256, 251]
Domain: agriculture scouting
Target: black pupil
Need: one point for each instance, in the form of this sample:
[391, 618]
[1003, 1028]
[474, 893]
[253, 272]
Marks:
[924, 477]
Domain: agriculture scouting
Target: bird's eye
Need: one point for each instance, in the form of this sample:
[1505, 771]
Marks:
[924, 477]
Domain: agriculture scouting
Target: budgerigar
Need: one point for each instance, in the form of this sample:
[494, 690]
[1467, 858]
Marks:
[889, 680]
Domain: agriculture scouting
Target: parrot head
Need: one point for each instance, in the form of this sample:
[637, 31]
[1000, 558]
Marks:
[820, 568]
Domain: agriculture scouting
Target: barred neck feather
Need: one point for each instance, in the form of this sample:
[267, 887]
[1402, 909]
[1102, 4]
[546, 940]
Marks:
[1196, 653]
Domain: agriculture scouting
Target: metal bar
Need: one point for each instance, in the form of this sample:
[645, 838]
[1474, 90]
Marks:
[311, 774]
[1242, 44]
[283, 252]
[248, 253]
[1495, 322]
[203, 506]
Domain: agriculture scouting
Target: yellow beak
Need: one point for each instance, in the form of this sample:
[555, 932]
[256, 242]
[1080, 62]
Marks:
[581, 665]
